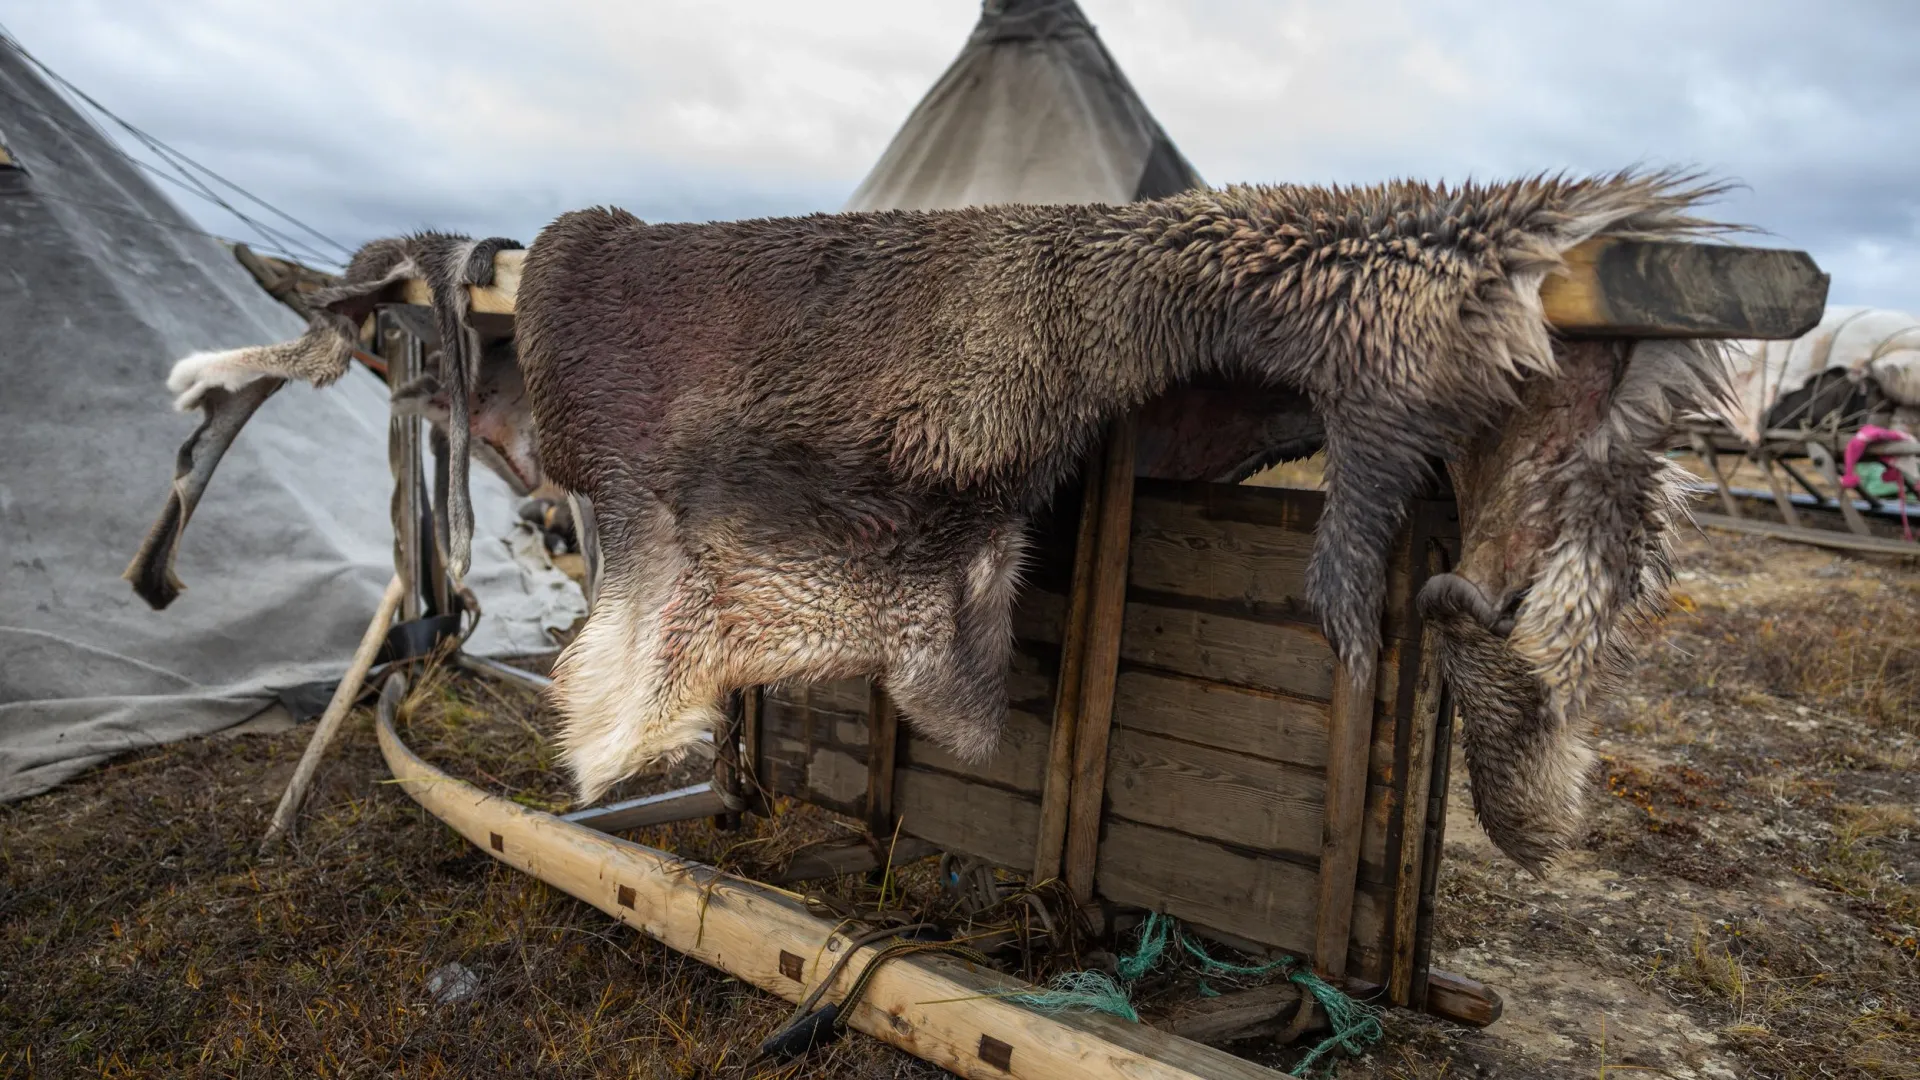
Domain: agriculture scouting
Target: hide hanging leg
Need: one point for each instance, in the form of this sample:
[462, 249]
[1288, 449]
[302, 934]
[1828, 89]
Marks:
[1527, 764]
[226, 411]
[456, 266]
[1374, 469]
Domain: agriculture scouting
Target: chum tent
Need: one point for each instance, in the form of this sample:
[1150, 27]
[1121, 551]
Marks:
[1033, 110]
[106, 283]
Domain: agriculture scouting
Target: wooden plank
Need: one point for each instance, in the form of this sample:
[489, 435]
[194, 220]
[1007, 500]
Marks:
[883, 730]
[939, 1009]
[726, 766]
[345, 693]
[1219, 1020]
[987, 823]
[1050, 844]
[1462, 1000]
[1277, 657]
[1674, 289]
[1612, 288]
[1261, 806]
[1262, 724]
[1348, 742]
[1434, 843]
[681, 804]
[496, 299]
[754, 790]
[1208, 884]
[1819, 537]
[1822, 459]
[839, 695]
[1780, 499]
[1405, 960]
[1106, 612]
[1019, 763]
[1188, 547]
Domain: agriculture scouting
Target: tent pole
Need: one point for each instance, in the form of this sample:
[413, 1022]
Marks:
[344, 696]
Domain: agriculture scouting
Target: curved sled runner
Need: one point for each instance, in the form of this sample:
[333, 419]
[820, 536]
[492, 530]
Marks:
[939, 1009]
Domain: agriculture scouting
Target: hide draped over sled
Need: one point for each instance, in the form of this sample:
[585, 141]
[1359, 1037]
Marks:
[1176, 738]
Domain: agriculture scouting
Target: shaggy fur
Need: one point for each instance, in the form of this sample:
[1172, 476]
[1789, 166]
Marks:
[1567, 507]
[812, 444]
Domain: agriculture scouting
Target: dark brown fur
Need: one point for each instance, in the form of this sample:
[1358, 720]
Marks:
[811, 444]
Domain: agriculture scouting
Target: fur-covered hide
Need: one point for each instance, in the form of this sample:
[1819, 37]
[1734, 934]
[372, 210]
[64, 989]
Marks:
[812, 444]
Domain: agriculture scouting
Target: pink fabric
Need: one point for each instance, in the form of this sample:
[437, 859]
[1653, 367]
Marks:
[1857, 448]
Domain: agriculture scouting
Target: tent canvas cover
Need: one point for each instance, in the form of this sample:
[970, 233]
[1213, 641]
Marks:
[105, 284]
[1034, 110]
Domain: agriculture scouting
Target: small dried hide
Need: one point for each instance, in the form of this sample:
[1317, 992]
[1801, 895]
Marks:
[229, 386]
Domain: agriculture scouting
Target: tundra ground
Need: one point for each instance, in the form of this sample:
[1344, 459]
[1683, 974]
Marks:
[1746, 902]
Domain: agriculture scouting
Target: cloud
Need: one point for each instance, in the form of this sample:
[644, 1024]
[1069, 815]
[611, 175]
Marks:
[368, 118]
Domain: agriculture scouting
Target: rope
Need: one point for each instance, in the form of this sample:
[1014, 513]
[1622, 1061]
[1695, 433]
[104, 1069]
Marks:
[1355, 1025]
[808, 1028]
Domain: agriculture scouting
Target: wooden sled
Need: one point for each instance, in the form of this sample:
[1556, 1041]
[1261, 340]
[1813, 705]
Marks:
[942, 1010]
[1176, 742]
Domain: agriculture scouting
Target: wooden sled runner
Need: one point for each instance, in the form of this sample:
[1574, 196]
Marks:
[939, 1009]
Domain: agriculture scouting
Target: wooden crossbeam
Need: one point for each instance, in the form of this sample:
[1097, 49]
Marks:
[1612, 288]
[1671, 289]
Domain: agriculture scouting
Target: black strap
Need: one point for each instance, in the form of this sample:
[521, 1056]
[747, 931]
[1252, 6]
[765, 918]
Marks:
[418, 638]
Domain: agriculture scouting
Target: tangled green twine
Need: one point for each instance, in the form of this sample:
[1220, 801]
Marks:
[1094, 990]
[1356, 1026]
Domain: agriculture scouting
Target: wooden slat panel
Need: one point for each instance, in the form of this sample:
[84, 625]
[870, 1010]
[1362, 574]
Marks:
[1274, 656]
[1261, 724]
[1257, 805]
[1263, 900]
[1020, 762]
[1188, 543]
[971, 819]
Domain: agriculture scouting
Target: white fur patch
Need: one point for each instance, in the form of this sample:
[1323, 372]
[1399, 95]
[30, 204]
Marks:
[229, 369]
[622, 710]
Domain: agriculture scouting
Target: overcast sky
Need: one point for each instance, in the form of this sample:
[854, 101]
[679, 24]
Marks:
[371, 117]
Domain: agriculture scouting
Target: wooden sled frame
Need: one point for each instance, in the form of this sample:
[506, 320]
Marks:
[939, 1009]
[1613, 289]
[1821, 449]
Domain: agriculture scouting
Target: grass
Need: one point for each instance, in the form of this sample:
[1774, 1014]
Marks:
[141, 934]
